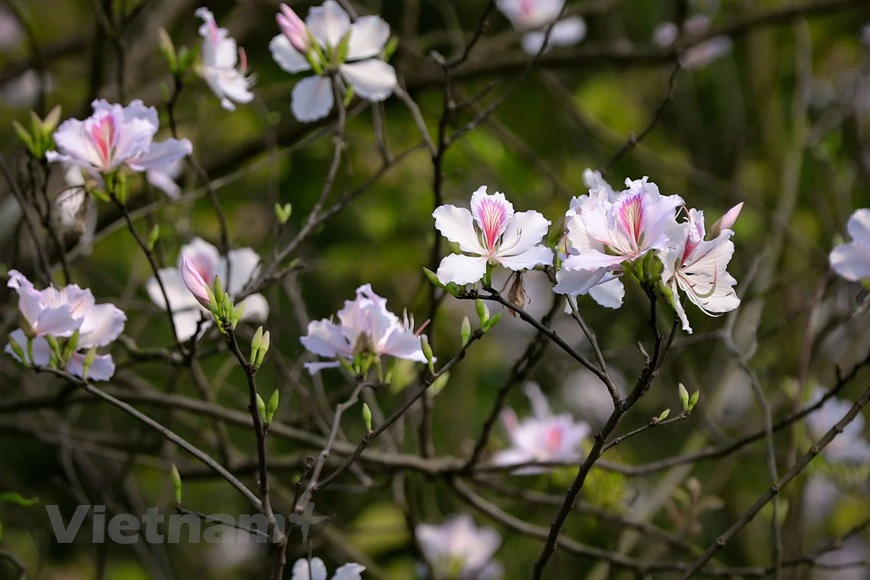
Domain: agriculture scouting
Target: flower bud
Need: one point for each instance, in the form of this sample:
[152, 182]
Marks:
[261, 408]
[465, 331]
[684, 396]
[726, 222]
[153, 236]
[367, 417]
[196, 283]
[482, 311]
[273, 406]
[264, 348]
[427, 351]
[693, 400]
[664, 415]
[256, 344]
[293, 28]
[176, 483]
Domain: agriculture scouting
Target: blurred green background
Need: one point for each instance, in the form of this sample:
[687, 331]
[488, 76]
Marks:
[780, 122]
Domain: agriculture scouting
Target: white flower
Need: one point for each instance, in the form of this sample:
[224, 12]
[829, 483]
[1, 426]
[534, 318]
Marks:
[242, 264]
[605, 230]
[850, 446]
[459, 550]
[698, 268]
[115, 137]
[315, 569]
[491, 233]
[543, 437]
[361, 68]
[852, 260]
[59, 313]
[220, 59]
[535, 16]
[365, 326]
[700, 54]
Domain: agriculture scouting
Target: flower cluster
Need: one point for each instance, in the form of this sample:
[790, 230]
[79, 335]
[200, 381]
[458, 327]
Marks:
[330, 44]
[187, 285]
[62, 328]
[541, 438]
[116, 138]
[458, 549]
[366, 331]
[607, 234]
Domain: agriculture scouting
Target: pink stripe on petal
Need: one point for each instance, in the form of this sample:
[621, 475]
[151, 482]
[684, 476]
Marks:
[492, 215]
[631, 217]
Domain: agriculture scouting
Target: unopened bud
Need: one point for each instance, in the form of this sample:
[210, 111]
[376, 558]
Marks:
[684, 396]
[273, 406]
[465, 331]
[176, 483]
[367, 417]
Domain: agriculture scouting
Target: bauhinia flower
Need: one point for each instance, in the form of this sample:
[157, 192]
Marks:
[66, 313]
[224, 66]
[698, 266]
[315, 569]
[115, 138]
[535, 16]
[332, 45]
[543, 437]
[605, 234]
[698, 55]
[491, 233]
[850, 446]
[198, 265]
[852, 260]
[365, 327]
[459, 550]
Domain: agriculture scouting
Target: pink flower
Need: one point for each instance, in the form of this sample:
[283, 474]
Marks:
[199, 263]
[59, 313]
[698, 267]
[117, 137]
[543, 437]
[293, 28]
[535, 16]
[220, 66]
[852, 260]
[606, 230]
[365, 325]
[490, 233]
[457, 548]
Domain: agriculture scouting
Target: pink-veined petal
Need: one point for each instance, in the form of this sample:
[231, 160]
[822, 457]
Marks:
[492, 213]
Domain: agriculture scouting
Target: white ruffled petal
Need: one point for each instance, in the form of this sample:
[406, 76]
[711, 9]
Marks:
[328, 23]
